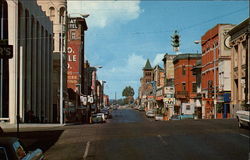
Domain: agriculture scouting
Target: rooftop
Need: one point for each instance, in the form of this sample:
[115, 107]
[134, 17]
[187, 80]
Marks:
[147, 66]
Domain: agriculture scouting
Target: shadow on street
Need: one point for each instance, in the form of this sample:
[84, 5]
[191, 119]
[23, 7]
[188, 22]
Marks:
[37, 139]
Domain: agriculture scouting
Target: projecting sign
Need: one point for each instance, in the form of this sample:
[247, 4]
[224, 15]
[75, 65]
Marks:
[6, 51]
[84, 100]
[72, 23]
[90, 99]
[169, 100]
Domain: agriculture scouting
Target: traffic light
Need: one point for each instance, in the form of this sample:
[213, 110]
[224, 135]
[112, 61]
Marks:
[175, 39]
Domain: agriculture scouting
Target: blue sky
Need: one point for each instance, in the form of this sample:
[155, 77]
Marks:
[123, 34]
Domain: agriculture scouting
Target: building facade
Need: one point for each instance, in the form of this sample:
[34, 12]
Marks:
[168, 90]
[146, 88]
[158, 78]
[215, 77]
[185, 84]
[27, 77]
[200, 110]
[75, 64]
[56, 10]
[240, 75]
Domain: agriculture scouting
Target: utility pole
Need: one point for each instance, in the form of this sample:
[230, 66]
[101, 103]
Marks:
[215, 100]
[1, 66]
[61, 73]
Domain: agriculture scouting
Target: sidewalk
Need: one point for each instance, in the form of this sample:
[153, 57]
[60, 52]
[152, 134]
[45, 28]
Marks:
[30, 125]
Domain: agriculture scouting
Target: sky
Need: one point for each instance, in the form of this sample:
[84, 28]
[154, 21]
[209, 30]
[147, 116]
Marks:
[122, 35]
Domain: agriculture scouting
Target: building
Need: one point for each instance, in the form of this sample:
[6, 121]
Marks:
[146, 89]
[185, 84]
[26, 83]
[106, 100]
[75, 70]
[57, 13]
[215, 72]
[158, 78]
[168, 90]
[200, 110]
[240, 74]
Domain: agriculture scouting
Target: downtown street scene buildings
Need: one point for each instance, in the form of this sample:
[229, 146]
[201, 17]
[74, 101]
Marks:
[45, 81]
[210, 85]
[48, 79]
[70, 71]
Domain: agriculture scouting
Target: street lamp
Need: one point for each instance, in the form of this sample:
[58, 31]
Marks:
[214, 60]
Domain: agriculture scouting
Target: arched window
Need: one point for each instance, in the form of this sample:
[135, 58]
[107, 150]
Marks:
[62, 15]
[52, 12]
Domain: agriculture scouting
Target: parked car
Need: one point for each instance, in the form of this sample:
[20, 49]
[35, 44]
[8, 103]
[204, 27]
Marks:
[150, 114]
[181, 117]
[11, 148]
[243, 118]
[159, 117]
[106, 113]
[98, 118]
[141, 108]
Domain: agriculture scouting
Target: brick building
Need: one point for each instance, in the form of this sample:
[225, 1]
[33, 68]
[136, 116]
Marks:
[146, 89]
[215, 71]
[75, 53]
[185, 84]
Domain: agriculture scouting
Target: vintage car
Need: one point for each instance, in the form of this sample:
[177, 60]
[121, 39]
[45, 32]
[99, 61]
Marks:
[12, 149]
[243, 118]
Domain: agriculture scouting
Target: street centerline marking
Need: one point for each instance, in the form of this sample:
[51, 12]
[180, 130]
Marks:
[245, 136]
[86, 150]
[162, 140]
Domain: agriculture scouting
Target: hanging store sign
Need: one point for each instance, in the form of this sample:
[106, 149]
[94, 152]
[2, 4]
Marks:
[6, 51]
[169, 100]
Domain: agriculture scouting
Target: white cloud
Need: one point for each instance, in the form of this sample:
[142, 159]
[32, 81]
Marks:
[158, 59]
[103, 13]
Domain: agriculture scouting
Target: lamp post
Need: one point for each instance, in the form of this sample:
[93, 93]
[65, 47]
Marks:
[94, 83]
[214, 62]
[61, 73]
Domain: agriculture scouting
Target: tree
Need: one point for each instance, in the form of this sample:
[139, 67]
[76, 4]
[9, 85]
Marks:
[128, 92]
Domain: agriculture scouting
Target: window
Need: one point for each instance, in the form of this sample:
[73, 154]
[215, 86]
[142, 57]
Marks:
[73, 35]
[194, 87]
[188, 107]
[62, 15]
[183, 70]
[184, 86]
[52, 12]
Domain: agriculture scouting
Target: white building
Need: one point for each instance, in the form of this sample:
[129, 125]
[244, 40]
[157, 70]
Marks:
[56, 10]
[27, 76]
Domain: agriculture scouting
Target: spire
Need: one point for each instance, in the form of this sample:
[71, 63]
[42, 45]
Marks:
[148, 65]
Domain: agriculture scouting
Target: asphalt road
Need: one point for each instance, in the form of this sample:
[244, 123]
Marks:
[129, 135]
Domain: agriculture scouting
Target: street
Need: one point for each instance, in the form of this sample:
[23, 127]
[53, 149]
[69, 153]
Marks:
[130, 135]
